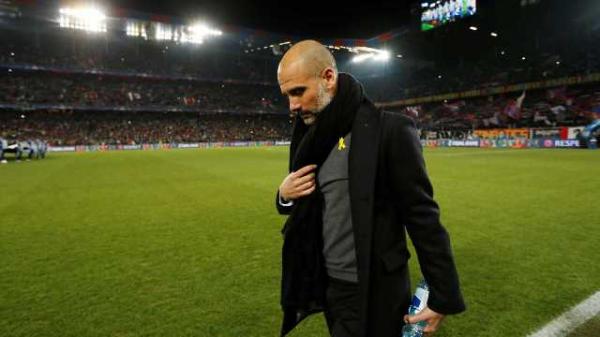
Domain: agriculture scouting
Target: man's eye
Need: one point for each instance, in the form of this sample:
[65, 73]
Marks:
[297, 92]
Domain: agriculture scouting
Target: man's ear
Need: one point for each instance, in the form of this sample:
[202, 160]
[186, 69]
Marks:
[330, 77]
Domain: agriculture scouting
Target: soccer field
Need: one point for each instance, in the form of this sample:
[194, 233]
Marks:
[187, 242]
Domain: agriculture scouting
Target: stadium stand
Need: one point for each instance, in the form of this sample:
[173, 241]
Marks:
[73, 88]
[68, 127]
[562, 106]
[130, 58]
[117, 93]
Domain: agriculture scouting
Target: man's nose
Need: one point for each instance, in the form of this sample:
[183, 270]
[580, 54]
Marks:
[295, 105]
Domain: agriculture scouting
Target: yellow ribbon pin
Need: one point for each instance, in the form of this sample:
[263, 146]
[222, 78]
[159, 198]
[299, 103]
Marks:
[341, 144]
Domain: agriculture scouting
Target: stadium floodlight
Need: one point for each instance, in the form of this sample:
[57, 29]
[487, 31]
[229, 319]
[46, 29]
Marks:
[382, 56]
[203, 30]
[473, 28]
[362, 57]
[196, 34]
[399, 56]
[365, 49]
[557, 63]
[494, 34]
[90, 19]
[163, 32]
[523, 58]
[365, 53]
[136, 28]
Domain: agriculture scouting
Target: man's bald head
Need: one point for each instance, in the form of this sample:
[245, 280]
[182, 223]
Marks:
[309, 57]
[307, 76]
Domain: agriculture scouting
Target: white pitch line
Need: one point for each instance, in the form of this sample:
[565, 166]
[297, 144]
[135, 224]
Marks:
[571, 319]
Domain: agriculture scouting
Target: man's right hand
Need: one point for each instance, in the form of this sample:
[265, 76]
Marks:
[298, 184]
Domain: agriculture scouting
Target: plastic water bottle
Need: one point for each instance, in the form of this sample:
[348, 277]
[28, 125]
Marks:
[419, 302]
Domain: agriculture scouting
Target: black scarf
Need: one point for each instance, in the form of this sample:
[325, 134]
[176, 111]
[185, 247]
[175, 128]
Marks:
[304, 276]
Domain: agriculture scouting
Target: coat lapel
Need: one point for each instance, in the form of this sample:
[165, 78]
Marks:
[362, 169]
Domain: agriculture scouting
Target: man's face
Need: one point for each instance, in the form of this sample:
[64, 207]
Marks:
[307, 94]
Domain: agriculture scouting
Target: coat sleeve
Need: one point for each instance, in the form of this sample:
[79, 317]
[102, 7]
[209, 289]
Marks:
[421, 216]
[283, 210]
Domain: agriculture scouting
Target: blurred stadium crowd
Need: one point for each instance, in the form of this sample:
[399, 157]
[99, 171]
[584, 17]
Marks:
[67, 127]
[126, 92]
[562, 106]
[99, 90]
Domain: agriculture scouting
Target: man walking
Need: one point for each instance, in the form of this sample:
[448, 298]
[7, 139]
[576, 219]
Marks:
[357, 183]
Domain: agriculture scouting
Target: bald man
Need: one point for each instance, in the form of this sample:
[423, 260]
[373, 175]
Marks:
[357, 183]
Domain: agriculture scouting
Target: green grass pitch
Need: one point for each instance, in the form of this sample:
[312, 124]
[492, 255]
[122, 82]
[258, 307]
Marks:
[187, 242]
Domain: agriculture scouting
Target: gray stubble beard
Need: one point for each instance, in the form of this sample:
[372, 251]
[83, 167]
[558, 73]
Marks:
[323, 100]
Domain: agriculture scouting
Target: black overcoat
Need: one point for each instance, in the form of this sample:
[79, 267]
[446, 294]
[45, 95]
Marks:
[390, 195]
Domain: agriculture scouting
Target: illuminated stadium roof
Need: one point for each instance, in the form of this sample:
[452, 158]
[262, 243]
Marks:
[322, 19]
[510, 27]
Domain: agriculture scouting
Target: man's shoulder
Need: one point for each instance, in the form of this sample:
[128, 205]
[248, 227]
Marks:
[396, 120]
[391, 120]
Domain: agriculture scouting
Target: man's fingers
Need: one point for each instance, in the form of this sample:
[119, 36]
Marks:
[433, 325]
[432, 318]
[303, 180]
[422, 316]
[300, 183]
[308, 191]
[306, 186]
[414, 319]
[301, 172]
[429, 328]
